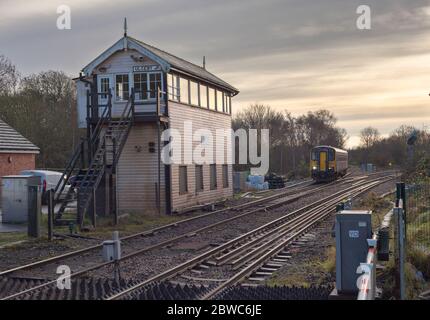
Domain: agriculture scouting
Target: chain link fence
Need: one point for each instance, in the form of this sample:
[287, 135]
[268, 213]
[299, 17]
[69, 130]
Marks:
[418, 216]
[417, 232]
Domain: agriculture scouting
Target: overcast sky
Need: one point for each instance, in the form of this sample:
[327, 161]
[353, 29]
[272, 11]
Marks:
[298, 55]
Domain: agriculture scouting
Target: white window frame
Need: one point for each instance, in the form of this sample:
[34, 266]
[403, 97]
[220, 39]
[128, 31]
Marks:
[173, 96]
[148, 86]
[161, 84]
[130, 85]
[99, 87]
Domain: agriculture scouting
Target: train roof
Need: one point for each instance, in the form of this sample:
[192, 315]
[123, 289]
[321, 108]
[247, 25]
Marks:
[335, 149]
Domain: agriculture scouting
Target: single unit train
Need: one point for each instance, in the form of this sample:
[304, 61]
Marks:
[328, 163]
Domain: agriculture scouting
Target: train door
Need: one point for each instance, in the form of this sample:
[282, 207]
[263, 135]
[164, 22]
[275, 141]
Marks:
[323, 161]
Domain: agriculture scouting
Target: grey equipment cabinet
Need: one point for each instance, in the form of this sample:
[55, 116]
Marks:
[353, 228]
[21, 201]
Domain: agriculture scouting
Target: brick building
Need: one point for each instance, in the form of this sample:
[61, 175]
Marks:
[16, 152]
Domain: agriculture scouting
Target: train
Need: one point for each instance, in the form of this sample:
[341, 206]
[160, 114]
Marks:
[328, 163]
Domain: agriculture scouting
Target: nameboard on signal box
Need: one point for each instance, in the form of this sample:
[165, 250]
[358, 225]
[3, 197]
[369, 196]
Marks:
[146, 68]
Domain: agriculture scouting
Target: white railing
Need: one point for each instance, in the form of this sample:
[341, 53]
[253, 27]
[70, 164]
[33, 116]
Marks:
[366, 282]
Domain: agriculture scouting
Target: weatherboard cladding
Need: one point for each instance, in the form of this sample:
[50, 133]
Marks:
[11, 140]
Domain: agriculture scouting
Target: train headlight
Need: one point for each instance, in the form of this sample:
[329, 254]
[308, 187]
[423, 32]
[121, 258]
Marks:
[314, 168]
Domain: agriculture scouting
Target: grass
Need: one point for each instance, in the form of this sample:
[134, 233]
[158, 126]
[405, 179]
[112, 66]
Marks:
[293, 280]
[132, 223]
[379, 207]
[418, 247]
[418, 227]
[420, 259]
[12, 237]
[329, 264]
[128, 224]
[309, 273]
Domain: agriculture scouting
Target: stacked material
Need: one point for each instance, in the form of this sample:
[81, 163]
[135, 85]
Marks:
[239, 180]
[368, 167]
[256, 183]
[275, 181]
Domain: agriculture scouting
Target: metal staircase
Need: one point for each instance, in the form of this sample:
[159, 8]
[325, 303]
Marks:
[104, 147]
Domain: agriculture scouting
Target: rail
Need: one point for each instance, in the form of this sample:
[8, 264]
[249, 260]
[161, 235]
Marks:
[268, 229]
[302, 223]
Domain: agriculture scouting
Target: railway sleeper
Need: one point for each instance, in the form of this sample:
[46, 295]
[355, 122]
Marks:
[268, 269]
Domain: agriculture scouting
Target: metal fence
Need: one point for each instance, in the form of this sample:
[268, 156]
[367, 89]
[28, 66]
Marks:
[418, 215]
[408, 225]
[417, 231]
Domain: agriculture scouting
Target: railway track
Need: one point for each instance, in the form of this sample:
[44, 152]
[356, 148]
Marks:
[273, 201]
[290, 190]
[251, 250]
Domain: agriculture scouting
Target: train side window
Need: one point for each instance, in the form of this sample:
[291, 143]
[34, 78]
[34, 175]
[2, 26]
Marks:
[330, 155]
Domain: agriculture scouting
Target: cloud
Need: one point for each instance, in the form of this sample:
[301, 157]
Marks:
[294, 54]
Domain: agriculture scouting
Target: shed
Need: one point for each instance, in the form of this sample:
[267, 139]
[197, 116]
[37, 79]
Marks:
[16, 152]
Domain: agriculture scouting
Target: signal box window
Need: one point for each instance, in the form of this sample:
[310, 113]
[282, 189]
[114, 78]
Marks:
[199, 178]
[140, 86]
[225, 176]
[122, 87]
[183, 180]
[213, 176]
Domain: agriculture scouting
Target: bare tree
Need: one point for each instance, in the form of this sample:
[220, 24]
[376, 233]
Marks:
[369, 136]
[291, 138]
[9, 76]
[43, 109]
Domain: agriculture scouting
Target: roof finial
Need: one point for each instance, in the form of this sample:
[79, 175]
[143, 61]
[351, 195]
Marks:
[125, 27]
[204, 62]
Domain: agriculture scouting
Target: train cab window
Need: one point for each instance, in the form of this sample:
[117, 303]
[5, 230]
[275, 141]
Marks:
[313, 155]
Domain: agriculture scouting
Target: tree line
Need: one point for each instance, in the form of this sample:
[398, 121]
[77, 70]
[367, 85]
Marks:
[42, 107]
[291, 138]
[404, 147]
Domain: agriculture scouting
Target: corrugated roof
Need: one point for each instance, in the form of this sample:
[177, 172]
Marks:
[12, 140]
[185, 66]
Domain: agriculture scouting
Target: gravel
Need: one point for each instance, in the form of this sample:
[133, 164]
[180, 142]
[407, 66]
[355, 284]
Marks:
[155, 261]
